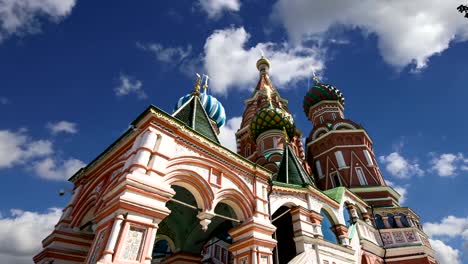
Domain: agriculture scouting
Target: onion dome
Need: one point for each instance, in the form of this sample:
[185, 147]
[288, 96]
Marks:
[212, 106]
[321, 92]
[271, 118]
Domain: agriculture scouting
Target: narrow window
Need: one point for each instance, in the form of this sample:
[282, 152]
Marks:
[361, 177]
[321, 120]
[247, 150]
[319, 168]
[275, 143]
[340, 159]
[333, 116]
[368, 158]
[335, 179]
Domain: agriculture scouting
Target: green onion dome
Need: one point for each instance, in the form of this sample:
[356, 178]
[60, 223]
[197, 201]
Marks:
[321, 92]
[271, 118]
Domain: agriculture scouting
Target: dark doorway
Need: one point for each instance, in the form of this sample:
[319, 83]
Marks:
[286, 247]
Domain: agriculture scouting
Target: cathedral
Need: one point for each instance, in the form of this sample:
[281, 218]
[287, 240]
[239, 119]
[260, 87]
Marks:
[167, 191]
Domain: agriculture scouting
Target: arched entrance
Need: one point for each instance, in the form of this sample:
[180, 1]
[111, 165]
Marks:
[190, 242]
[285, 249]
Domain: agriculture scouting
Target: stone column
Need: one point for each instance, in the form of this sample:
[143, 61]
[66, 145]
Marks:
[302, 227]
[250, 236]
[316, 220]
[366, 217]
[352, 212]
[341, 232]
[385, 221]
[398, 220]
[113, 235]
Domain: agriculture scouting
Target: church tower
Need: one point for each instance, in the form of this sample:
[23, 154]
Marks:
[265, 123]
[341, 150]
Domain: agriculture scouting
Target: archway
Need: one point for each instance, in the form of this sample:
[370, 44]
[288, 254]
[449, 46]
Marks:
[285, 249]
[327, 227]
[182, 228]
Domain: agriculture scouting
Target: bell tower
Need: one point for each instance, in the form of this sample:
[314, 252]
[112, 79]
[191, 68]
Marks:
[340, 150]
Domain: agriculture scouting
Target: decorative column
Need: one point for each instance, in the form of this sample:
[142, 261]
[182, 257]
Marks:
[253, 242]
[367, 218]
[398, 220]
[302, 227]
[341, 232]
[385, 221]
[316, 220]
[352, 212]
[143, 151]
[110, 246]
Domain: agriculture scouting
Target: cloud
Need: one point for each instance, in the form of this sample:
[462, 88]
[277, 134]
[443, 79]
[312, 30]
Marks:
[167, 54]
[408, 32]
[23, 17]
[400, 167]
[451, 227]
[445, 254]
[18, 148]
[62, 126]
[128, 85]
[448, 164]
[214, 8]
[232, 65]
[402, 190]
[227, 133]
[50, 170]
[22, 232]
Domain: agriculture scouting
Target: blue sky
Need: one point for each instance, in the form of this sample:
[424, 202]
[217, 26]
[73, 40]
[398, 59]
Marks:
[74, 74]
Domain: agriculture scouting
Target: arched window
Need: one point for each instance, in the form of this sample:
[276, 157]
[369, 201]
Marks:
[347, 217]
[379, 222]
[327, 227]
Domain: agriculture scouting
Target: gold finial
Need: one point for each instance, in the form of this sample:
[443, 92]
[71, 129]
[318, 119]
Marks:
[315, 78]
[196, 89]
[285, 135]
[205, 86]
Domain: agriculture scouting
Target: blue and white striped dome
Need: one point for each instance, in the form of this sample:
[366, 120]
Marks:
[213, 107]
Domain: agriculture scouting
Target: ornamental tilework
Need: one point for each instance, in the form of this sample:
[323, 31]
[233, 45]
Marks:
[398, 236]
[387, 238]
[133, 243]
[410, 236]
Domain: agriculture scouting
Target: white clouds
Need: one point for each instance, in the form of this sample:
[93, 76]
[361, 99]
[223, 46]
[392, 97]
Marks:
[128, 85]
[400, 167]
[50, 170]
[214, 8]
[62, 126]
[167, 54]
[445, 254]
[232, 65]
[22, 17]
[448, 164]
[409, 32]
[402, 190]
[17, 148]
[22, 233]
[450, 227]
[227, 133]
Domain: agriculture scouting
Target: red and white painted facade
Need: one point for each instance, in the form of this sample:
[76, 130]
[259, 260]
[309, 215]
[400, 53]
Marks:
[121, 198]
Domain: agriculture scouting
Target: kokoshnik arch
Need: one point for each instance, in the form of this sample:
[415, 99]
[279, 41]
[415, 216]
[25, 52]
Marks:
[166, 191]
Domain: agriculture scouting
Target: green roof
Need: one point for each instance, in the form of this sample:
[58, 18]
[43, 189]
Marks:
[291, 171]
[193, 114]
[335, 193]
